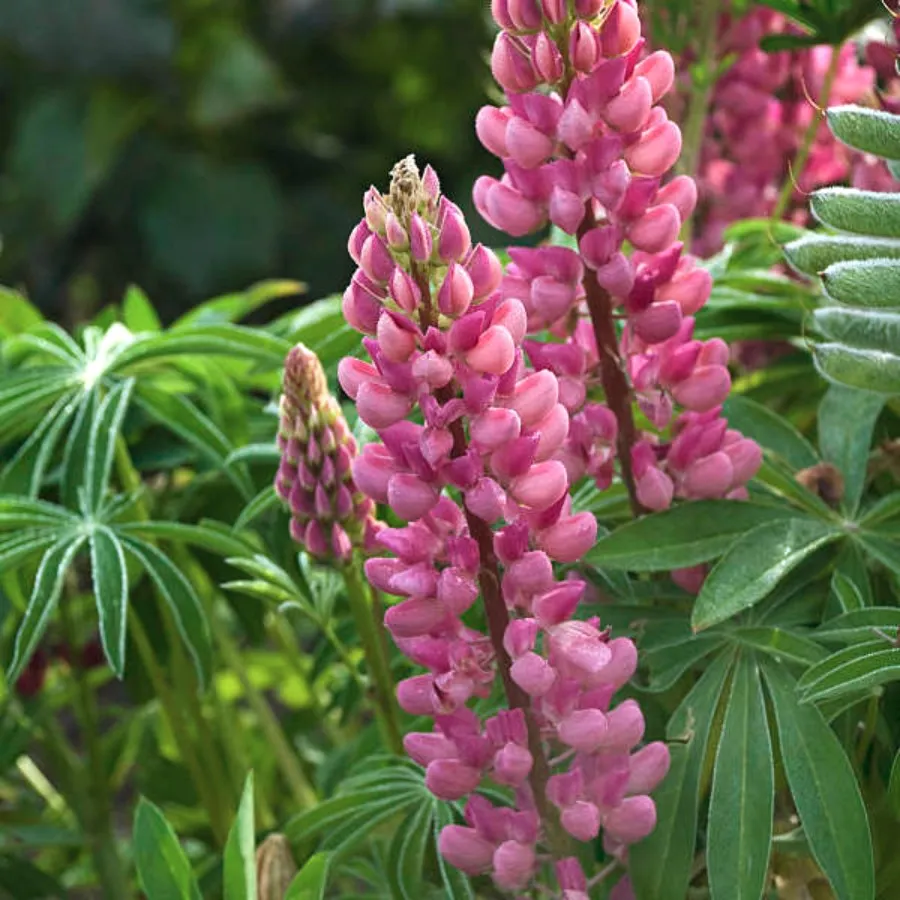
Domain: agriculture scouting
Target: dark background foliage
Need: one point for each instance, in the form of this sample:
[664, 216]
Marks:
[195, 146]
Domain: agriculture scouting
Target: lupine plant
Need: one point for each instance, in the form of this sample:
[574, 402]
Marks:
[502, 574]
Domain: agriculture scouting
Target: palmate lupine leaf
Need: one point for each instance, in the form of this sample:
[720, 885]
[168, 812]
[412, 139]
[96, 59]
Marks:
[109, 574]
[101, 445]
[75, 455]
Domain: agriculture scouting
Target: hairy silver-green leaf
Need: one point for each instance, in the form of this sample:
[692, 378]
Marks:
[870, 283]
[867, 370]
[110, 579]
[867, 329]
[870, 130]
[815, 253]
[858, 212]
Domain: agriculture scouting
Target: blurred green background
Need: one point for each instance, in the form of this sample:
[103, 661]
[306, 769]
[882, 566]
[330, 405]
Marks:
[195, 146]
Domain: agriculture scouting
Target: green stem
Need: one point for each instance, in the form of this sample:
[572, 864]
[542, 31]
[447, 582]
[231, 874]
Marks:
[702, 86]
[809, 137]
[130, 481]
[302, 791]
[180, 733]
[360, 598]
[98, 811]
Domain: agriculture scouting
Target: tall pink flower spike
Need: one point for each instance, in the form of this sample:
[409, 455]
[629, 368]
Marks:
[468, 458]
[586, 145]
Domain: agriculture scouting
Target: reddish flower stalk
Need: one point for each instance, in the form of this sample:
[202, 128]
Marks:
[445, 344]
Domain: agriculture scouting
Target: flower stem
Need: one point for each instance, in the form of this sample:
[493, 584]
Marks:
[793, 176]
[97, 814]
[612, 374]
[360, 599]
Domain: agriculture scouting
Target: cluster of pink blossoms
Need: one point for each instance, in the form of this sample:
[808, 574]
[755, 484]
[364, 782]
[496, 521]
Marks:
[760, 111]
[445, 343]
[586, 146]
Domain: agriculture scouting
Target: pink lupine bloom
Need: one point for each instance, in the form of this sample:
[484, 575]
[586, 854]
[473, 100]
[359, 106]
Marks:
[760, 111]
[588, 147]
[329, 515]
[470, 457]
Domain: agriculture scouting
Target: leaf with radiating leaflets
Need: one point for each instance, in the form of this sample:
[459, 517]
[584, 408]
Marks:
[825, 790]
[685, 535]
[743, 788]
[853, 670]
[240, 856]
[163, 869]
[755, 564]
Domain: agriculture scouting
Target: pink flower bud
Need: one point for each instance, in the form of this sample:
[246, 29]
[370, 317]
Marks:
[512, 316]
[514, 865]
[622, 665]
[616, 276]
[656, 229]
[520, 636]
[654, 489]
[576, 125]
[395, 234]
[542, 486]
[659, 70]
[421, 243]
[487, 500]
[581, 820]
[353, 373]
[378, 406]
[632, 820]
[621, 30]
[553, 430]
[511, 65]
[626, 726]
[566, 209]
[714, 352]
[690, 579]
[414, 617]
[559, 604]
[533, 674]
[690, 291]
[647, 767]
[404, 291]
[507, 209]
[629, 110]
[746, 458]
[583, 49]
[525, 14]
[490, 126]
[456, 291]
[494, 352]
[464, 848]
[512, 763]
[375, 259]
[598, 245]
[454, 239]
[534, 396]
[360, 305]
[494, 428]
[396, 343]
[410, 497]
[432, 368]
[356, 240]
[705, 389]
[546, 60]
[456, 590]
[708, 477]
[525, 144]
[658, 322]
[555, 11]
[484, 269]
[416, 695]
[570, 538]
[584, 730]
[681, 192]
[426, 747]
[375, 210]
[450, 779]
[656, 151]
[372, 470]
[500, 12]
[314, 539]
